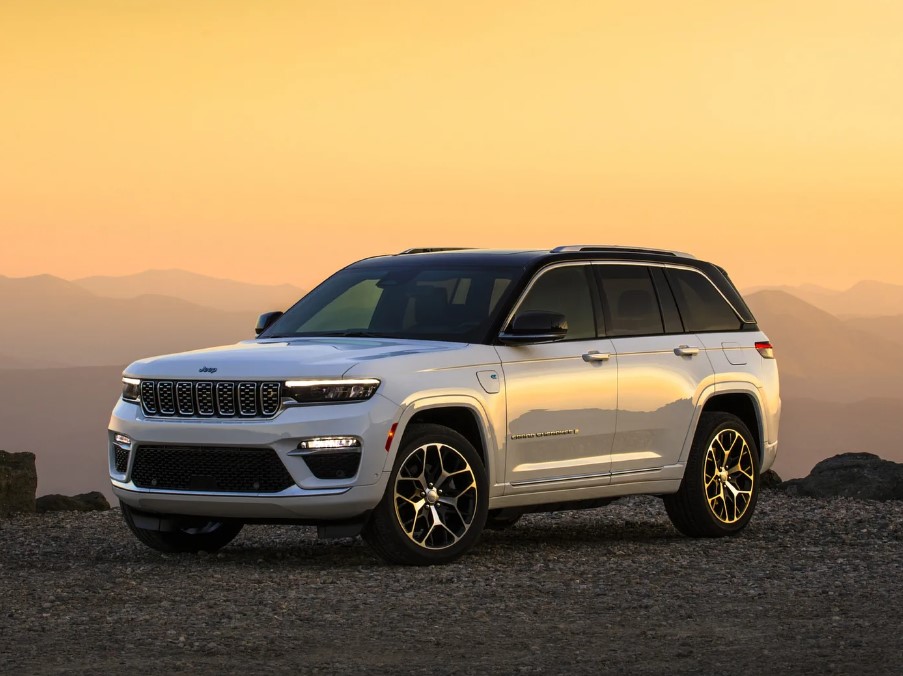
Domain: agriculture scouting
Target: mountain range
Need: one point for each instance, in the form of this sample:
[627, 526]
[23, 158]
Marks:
[864, 299]
[220, 294]
[51, 321]
[64, 346]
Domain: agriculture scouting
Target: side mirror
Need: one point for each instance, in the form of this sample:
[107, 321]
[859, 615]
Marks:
[265, 321]
[535, 327]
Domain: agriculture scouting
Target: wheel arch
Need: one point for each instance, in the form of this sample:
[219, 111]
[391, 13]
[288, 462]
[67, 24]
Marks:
[741, 400]
[463, 414]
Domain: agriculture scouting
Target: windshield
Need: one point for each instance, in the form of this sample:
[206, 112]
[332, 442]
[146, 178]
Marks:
[447, 304]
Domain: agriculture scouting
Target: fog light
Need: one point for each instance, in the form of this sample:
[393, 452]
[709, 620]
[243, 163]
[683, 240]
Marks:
[330, 444]
[122, 440]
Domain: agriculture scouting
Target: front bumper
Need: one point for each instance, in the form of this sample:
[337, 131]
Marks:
[309, 498]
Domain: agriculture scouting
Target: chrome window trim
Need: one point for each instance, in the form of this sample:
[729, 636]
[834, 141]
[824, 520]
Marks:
[656, 264]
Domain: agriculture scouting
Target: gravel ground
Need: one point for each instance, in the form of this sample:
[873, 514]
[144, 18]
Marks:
[810, 587]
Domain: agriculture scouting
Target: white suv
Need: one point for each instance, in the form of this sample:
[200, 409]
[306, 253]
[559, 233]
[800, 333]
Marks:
[417, 398]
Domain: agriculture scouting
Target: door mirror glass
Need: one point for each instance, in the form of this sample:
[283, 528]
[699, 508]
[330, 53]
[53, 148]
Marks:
[535, 327]
[265, 321]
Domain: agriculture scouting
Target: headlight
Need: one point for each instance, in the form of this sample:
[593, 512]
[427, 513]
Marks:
[328, 391]
[131, 389]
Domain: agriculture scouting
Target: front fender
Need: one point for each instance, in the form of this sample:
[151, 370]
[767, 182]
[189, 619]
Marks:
[492, 434]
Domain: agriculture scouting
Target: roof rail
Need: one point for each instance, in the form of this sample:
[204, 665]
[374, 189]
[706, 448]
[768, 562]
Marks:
[618, 249]
[432, 250]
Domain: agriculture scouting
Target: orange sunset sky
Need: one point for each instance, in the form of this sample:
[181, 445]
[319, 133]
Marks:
[275, 141]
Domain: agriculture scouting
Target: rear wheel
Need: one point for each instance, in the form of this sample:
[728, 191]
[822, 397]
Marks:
[718, 493]
[188, 537]
[436, 500]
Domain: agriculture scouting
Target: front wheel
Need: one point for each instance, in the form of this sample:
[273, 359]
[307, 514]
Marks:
[190, 537]
[721, 480]
[436, 500]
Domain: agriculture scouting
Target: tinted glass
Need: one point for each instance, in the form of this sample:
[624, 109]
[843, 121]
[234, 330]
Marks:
[701, 305]
[564, 290]
[403, 302]
[629, 302]
[666, 302]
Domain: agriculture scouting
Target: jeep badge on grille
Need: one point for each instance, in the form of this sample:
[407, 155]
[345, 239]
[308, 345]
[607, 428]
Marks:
[207, 369]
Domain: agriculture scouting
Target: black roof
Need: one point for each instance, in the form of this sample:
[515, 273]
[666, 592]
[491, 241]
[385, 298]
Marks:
[531, 260]
[525, 257]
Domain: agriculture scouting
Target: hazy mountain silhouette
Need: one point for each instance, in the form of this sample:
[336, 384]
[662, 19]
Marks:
[50, 320]
[885, 328]
[863, 299]
[812, 430]
[821, 355]
[61, 415]
[222, 294]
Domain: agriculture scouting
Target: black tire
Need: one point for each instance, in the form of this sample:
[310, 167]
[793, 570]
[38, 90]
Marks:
[396, 528]
[194, 537]
[705, 506]
[500, 519]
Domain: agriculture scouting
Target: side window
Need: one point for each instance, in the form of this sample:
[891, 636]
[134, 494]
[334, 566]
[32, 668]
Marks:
[666, 302]
[702, 306]
[629, 303]
[565, 290]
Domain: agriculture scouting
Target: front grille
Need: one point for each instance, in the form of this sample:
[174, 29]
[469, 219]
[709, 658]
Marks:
[210, 468]
[121, 459]
[333, 465]
[208, 399]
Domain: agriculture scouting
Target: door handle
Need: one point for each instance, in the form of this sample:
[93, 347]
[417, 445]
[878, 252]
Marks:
[596, 356]
[686, 351]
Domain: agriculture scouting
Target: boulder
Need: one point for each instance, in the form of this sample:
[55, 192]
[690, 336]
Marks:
[769, 480]
[851, 475]
[84, 502]
[18, 482]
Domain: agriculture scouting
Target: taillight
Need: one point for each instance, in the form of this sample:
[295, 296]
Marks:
[766, 349]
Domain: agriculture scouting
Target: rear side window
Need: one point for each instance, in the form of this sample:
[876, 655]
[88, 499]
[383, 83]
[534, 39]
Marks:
[629, 302]
[701, 305]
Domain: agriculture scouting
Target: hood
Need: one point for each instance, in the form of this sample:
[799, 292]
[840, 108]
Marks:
[281, 359]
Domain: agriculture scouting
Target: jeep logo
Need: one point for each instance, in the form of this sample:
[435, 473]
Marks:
[206, 369]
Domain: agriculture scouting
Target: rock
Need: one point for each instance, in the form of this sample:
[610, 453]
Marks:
[18, 482]
[85, 502]
[851, 475]
[769, 480]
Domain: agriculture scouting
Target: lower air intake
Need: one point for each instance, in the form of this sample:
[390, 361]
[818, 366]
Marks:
[210, 469]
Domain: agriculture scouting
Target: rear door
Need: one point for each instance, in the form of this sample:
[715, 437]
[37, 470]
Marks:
[561, 397]
[662, 369]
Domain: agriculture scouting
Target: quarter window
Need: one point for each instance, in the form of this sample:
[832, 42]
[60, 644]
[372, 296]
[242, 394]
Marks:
[629, 303]
[702, 306]
[564, 290]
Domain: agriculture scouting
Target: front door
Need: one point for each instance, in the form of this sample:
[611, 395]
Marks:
[561, 397]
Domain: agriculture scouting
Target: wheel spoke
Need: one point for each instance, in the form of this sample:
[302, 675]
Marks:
[436, 484]
[729, 482]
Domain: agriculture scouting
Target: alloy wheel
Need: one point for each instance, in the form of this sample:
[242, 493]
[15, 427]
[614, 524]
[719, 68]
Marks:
[729, 475]
[435, 496]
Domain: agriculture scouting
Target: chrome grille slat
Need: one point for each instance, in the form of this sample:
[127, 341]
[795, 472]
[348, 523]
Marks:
[209, 399]
[166, 397]
[185, 398]
[225, 399]
[247, 399]
[149, 396]
[204, 392]
[270, 396]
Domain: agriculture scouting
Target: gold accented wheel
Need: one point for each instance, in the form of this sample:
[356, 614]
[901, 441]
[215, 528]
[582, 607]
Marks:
[729, 475]
[717, 495]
